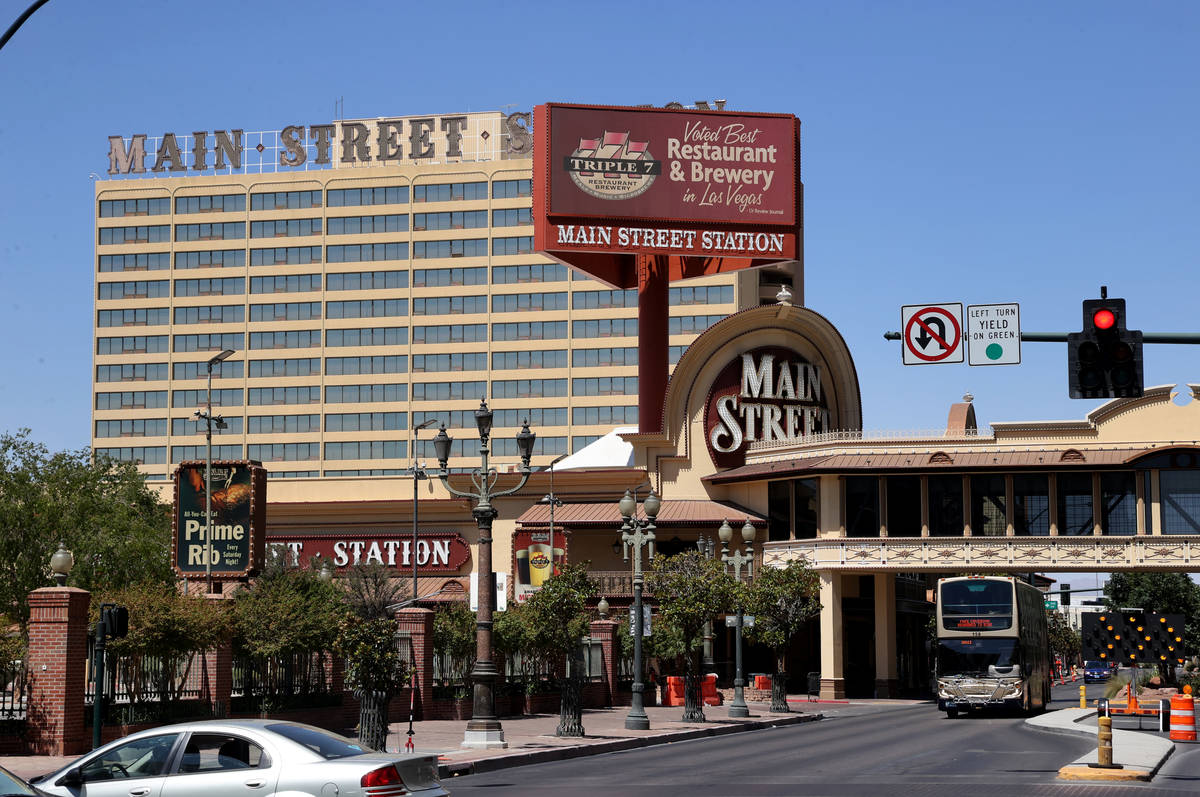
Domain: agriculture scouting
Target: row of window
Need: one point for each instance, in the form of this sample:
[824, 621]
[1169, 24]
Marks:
[307, 423]
[1083, 501]
[292, 200]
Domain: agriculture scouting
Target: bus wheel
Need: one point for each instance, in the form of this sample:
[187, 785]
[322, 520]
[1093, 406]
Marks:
[951, 713]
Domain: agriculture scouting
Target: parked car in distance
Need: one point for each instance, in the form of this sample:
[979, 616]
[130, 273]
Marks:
[1095, 671]
[14, 784]
[262, 757]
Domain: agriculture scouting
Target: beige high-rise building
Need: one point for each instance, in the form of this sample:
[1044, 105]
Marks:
[368, 276]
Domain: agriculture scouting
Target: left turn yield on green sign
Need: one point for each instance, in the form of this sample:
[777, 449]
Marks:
[932, 333]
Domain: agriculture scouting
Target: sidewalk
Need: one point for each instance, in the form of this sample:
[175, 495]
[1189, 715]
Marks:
[531, 738]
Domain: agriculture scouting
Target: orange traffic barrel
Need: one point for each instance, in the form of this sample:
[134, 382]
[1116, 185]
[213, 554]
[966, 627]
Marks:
[1183, 719]
[674, 690]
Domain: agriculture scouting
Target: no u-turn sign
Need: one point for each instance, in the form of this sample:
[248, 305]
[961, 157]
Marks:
[932, 333]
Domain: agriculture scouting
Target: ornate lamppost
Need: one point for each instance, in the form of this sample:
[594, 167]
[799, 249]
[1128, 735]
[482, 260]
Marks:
[734, 561]
[705, 545]
[484, 729]
[636, 533]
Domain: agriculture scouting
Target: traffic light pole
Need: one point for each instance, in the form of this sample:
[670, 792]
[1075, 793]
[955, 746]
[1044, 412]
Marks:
[1186, 338]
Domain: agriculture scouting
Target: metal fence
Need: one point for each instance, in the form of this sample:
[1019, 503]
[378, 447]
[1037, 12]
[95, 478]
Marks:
[13, 697]
[146, 679]
[281, 681]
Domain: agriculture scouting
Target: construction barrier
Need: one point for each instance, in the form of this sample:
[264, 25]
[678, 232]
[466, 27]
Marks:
[1183, 718]
[708, 691]
[674, 690]
[762, 682]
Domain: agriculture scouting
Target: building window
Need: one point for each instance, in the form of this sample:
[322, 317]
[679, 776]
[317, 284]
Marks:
[132, 400]
[284, 424]
[451, 333]
[151, 289]
[862, 506]
[227, 286]
[284, 200]
[366, 253]
[703, 294]
[221, 203]
[507, 446]
[146, 261]
[448, 391]
[366, 422]
[988, 518]
[132, 427]
[528, 388]
[368, 225]
[691, 324]
[904, 506]
[117, 208]
[134, 344]
[512, 189]
[792, 509]
[945, 506]
[515, 419]
[139, 317]
[531, 330]
[294, 311]
[302, 394]
[226, 451]
[367, 308]
[451, 220]
[455, 247]
[199, 370]
[436, 363]
[580, 442]
[546, 358]
[1119, 500]
[225, 397]
[381, 364]
[143, 455]
[301, 366]
[230, 230]
[366, 394]
[597, 358]
[445, 277]
[367, 449]
[1179, 491]
[218, 258]
[285, 256]
[211, 314]
[295, 339]
[291, 283]
[605, 328]
[592, 300]
[512, 217]
[1031, 505]
[284, 452]
[535, 272]
[1075, 516]
[183, 427]
[608, 415]
[369, 336]
[520, 245]
[209, 342]
[285, 228]
[354, 197]
[528, 302]
[604, 386]
[157, 233]
[449, 192]
[450, 305]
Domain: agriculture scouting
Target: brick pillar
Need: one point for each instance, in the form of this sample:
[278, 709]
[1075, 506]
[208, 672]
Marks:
[57, 663]
[218, 677]
[419, 624]
[605, 632]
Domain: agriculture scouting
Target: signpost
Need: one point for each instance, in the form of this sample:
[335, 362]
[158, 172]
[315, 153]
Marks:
[932, 333]
[994, 334]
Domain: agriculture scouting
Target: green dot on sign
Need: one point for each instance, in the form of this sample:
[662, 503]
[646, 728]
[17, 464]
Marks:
[994, 351]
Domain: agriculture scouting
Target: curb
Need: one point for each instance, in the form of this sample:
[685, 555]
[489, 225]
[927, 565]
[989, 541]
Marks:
[1155, 753]
[495, 763]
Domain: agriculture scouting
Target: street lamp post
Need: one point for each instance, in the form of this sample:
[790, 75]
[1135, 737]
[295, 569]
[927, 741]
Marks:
[636, 533]
[418, 473]
[705, 545]
[484, 729]
[735, 561]
[553, 499]
[209, 421]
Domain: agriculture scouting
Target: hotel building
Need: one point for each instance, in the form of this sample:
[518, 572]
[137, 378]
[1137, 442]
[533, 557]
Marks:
[369, 276]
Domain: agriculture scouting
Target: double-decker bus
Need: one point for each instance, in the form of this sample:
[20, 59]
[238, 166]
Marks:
[993, 647]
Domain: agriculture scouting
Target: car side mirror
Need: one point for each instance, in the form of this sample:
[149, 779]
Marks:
[71, 779]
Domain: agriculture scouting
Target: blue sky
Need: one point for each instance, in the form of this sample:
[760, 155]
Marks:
[977, 152]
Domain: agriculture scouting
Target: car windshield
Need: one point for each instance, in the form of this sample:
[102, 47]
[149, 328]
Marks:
[9, 784]
[974, 656]
[1094, 665]
[977, 604]
[327, 745]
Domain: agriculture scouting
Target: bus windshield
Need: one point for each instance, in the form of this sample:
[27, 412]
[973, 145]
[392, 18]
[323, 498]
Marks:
[977, 605]
[974, 656]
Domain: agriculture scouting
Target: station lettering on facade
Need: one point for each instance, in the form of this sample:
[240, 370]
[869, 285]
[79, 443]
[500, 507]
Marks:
[443, 551]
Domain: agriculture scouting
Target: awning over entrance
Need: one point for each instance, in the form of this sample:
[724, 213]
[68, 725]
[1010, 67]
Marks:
[607, 515]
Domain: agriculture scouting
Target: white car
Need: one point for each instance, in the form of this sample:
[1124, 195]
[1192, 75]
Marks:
[242, 757]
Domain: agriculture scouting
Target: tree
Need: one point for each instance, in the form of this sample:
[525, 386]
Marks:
[284, 613]
[558, 621]
[1064, 640]
[165, 628]
[454, 641]
[782, 600]
[1165, 593]
[100, 509]
[691, 590]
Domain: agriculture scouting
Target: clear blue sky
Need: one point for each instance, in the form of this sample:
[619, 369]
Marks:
[978, 152]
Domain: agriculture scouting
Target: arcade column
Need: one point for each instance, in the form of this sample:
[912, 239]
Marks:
[654, 311]
[833, 676]
[887, 679]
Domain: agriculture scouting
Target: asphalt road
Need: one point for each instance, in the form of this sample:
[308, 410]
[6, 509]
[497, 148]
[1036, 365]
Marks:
[861, 749]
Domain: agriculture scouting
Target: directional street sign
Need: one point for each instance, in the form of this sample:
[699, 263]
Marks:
[994, 334]
[932, 333]
[1051, 606]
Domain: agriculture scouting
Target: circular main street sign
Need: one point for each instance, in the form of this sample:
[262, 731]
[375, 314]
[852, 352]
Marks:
[932, 333]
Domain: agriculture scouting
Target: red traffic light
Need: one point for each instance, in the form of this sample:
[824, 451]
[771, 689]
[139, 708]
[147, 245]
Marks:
[1103, 318]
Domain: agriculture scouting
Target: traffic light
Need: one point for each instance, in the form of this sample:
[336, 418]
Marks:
[1065, 595]
[1104, 360]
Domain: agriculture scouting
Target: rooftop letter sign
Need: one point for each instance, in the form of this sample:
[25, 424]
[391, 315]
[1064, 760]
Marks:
[718, 190]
